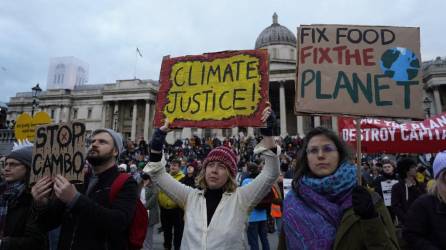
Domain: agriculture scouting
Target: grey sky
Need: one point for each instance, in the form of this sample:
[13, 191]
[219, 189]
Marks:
[105, 34]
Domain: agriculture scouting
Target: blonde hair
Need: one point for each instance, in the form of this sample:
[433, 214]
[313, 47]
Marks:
[439, 188]
[229, 186]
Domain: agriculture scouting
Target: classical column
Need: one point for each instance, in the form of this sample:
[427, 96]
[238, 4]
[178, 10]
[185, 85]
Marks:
[283, 131]
[250, 131]
[437, 102]
[300, 126]
[334, 124]
[146, 121]
[317, 121]
[186, 133]
[104, 113]
[115, 116]
[57, 115]
[134, 114]
[235, 131]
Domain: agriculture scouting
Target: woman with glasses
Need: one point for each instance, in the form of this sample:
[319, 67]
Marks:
[18, 229]
[326, 208]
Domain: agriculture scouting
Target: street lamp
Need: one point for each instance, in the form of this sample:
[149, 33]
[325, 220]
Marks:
[427, 106]
[36, 91]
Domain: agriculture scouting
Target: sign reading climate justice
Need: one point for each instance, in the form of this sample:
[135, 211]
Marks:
[359, 70]
[59, 149]
[218, 90]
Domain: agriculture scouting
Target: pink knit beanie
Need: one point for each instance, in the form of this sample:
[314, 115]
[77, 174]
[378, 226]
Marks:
[224, 155]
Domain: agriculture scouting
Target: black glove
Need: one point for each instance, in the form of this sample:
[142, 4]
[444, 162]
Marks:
[158, 139]
[362, 203]
[271, 125]
[157, 143]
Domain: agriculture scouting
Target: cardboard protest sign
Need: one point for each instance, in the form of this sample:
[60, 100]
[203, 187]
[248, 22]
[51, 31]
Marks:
[428, 136]
[59, 149]
[214, 90]
[386, 187]
[359, 70]
[25, 125]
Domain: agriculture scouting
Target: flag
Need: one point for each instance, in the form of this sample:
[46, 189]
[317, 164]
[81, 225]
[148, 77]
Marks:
[139, 52]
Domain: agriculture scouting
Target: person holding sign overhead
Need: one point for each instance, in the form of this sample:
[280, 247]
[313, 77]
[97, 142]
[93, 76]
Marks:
[18, 229]
[88, 219]
[326, 208]
[216, 214]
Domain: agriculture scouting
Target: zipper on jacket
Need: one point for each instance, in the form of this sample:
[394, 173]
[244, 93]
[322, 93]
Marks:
[74, 233]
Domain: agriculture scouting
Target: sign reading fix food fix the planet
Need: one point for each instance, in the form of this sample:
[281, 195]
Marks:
[428, 136]
[218, 90]
[59, 149]
[359, 70]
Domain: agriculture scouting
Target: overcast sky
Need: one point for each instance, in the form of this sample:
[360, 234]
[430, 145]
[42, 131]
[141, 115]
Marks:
[105, 33]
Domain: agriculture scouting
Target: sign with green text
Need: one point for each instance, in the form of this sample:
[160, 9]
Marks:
[359, 70]
[213, 90]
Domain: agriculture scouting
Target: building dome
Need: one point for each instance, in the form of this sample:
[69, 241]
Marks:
[275, 34]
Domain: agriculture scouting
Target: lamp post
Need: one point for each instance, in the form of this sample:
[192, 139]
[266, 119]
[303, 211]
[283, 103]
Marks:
[427, 106]
[36, 91]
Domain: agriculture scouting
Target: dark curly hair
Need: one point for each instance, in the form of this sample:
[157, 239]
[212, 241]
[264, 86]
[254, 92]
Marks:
[303, 168]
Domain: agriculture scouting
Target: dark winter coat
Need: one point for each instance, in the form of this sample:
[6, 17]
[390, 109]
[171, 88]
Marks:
[401, 202]
[21, 230]
[93, 223]
[425, 226]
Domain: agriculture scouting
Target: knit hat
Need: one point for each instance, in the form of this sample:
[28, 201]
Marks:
[22, 154]
[439, 163]
[117, 138]
[224, 155]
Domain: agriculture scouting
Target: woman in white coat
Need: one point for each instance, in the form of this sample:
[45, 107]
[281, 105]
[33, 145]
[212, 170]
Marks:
[216, 214]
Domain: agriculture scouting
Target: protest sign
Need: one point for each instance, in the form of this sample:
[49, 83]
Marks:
[59, 149]
[214, 90]
[287, 186]
[25, 125]
[428, 136]
[386, 187]
[359, 70]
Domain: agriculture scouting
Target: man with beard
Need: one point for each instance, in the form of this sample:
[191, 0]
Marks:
[88, 219]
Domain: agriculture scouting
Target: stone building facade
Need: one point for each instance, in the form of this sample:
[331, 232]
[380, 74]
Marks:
[127, 106]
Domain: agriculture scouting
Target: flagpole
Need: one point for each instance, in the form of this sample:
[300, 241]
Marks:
[136, 58]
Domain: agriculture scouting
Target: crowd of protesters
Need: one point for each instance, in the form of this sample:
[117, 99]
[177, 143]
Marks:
[213, 193]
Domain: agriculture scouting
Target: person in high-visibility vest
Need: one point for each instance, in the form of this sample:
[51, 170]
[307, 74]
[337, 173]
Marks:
[276, 205]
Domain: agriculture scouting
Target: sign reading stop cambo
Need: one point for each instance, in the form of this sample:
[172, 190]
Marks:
[59, 149]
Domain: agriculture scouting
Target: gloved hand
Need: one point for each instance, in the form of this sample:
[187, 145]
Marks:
[271, 125]
[362, 203]
[158, 139]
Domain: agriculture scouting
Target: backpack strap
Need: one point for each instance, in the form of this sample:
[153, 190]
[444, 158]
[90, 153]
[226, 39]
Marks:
[117, 185]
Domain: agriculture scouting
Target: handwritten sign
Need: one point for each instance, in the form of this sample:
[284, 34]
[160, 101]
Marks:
[25, 126]
[359, 70]
[59, 149]
[219, 90]
[386, 187]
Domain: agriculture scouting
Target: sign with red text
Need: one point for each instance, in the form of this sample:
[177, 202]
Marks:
[213, 90]
[428, 136]
[359, 70]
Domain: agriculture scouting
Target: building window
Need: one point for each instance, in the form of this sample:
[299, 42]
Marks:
[275, 53]
[90, 111]
[292, 54]
[74, 114]
[52, 114]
